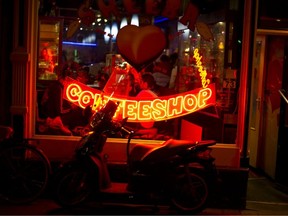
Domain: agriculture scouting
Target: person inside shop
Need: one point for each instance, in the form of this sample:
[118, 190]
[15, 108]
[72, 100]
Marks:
[148, 82]
[151, 129]
[148, 88]
[69, 66]
[133, 77]
[162, 71]
[133, 85]
[83, 76]
[61, 116]
[52, 107]
[102, 78]
[46, 56]
[174, 69]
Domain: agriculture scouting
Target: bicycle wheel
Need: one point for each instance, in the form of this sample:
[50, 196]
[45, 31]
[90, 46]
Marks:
[25, 171]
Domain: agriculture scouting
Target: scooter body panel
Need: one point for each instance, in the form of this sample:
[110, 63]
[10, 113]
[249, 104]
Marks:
[103, 176]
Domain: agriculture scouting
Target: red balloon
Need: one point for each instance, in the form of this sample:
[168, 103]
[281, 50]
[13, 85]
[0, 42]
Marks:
[140, 46]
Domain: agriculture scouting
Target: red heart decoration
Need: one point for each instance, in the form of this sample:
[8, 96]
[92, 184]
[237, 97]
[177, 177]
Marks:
[140, 46]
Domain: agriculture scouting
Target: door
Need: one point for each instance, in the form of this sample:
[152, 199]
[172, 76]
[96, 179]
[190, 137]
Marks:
[267, 118]
[281, 175]
[273, 70]
[256, 100]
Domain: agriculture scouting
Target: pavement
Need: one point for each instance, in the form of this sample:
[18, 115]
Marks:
[264, 197]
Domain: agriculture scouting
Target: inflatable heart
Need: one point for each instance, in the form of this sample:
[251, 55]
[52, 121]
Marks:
[140, 46]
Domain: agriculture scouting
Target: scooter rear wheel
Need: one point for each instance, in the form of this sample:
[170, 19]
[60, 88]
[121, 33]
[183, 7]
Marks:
[190, 194]
[72, 186]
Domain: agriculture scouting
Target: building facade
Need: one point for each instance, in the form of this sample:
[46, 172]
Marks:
[233, 58]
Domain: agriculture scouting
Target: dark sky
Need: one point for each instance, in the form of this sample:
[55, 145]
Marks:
[273, 8]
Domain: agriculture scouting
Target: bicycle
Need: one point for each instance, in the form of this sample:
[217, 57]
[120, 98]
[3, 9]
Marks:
[25, 169]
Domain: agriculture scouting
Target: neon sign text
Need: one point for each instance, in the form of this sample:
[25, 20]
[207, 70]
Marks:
[205, 82]
[142, 109]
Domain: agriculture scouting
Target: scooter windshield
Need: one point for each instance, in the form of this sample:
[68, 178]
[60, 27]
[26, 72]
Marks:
[123, 81]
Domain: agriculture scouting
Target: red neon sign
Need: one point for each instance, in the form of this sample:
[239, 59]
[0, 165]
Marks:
[142, 109]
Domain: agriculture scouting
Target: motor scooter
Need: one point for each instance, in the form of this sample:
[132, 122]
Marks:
[179, 173]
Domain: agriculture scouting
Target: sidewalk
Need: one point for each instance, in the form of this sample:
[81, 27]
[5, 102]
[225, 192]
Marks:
[263, 198]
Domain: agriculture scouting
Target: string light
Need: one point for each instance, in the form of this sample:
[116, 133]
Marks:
[135, 20]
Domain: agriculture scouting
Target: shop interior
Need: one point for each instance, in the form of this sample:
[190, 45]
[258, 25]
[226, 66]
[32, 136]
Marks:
[90, 54]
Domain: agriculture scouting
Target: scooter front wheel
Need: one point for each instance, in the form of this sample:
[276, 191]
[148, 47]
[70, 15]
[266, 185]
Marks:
[72, 186]
[190, 193]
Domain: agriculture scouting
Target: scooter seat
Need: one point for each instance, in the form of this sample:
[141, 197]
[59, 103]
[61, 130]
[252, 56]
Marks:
[138, 151]
[171, 148]
[168, 149]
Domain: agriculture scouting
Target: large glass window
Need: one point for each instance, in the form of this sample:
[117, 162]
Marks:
[86, 52]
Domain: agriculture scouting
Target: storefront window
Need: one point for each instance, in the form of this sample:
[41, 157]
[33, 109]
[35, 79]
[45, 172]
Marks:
[87, 54]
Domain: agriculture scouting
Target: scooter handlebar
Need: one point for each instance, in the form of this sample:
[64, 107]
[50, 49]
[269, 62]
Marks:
[127, 130]
[120, 126]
